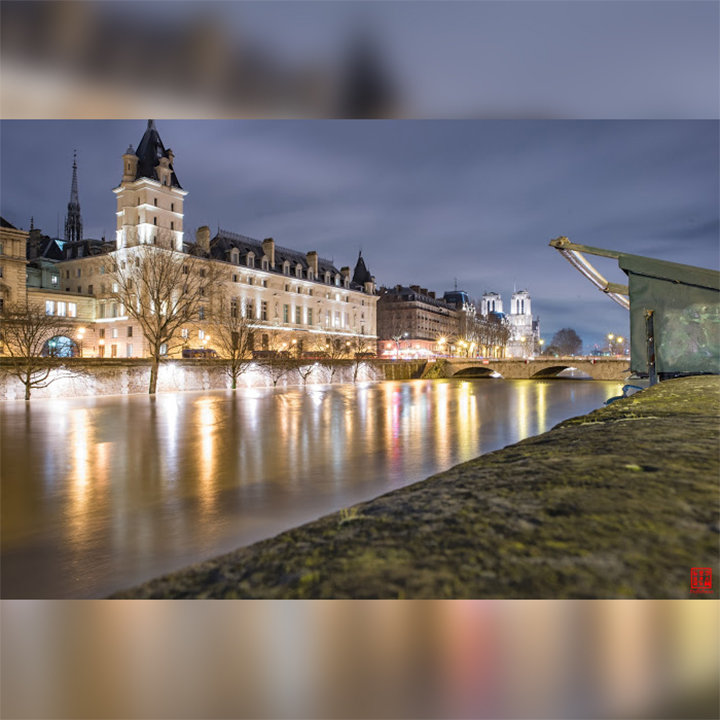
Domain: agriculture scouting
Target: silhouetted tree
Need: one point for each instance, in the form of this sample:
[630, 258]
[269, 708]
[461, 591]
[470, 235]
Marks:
[233, 337]
[565, 342]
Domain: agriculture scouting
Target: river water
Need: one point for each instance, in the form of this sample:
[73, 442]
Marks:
[99, 494]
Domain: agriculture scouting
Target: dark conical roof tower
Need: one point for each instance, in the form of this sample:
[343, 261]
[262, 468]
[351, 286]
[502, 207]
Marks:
[361, 274]
[73, 219]
[150, 151]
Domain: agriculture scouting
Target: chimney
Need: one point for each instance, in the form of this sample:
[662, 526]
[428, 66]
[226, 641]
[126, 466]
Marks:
[432, 294]
[415, 288]
[268, 246]
[423, 291]
[203, 238]
[345, 272]
[312, 261]
[170, 155]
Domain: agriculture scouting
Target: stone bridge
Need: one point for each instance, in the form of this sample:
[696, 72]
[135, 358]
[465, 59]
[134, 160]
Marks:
[599, 368]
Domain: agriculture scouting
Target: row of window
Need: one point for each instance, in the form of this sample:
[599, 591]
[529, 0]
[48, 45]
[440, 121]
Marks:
[265, 265]
[78, 273]
[114, 332]
[113, 350]
[60, 308]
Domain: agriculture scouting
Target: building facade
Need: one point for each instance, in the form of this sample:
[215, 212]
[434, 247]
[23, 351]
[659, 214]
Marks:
[524, 331]
[413, 322]
[299, 296]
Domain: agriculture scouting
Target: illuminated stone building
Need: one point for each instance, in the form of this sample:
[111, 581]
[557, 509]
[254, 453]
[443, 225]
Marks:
[297, 294]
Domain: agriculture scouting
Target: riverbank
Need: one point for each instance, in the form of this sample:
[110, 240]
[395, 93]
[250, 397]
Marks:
[621, 502]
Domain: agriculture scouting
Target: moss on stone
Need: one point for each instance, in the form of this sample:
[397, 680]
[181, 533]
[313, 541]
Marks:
[622, 502]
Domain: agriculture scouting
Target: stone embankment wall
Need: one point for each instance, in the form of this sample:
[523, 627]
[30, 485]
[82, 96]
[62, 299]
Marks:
[83, 377]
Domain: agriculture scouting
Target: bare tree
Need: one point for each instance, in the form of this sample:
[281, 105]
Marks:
[233, 333]
[277, 360]
[331, 350]
[360, 348]
[162, 289]
[30, 337]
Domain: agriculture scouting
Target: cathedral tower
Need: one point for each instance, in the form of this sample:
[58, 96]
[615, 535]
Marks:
[73, 219]
[149, 198]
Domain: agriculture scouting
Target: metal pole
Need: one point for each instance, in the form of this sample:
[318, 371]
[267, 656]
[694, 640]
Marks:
[650, 338]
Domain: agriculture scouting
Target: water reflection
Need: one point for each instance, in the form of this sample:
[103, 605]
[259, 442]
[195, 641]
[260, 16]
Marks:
[102, 493]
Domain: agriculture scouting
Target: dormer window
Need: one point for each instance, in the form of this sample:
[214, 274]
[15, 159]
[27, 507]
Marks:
[337, 280]
[327, 278]
[347, 282]
[251, 260]
[235, 256]
[265, 263]
[310, 274]
[298, 270]
[286, 268]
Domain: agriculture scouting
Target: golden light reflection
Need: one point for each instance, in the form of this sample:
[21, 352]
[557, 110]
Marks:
[81, 477]
[208, 420]
[541, 389]
[521, 412]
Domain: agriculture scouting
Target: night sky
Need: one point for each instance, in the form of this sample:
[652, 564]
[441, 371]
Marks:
[427, 201]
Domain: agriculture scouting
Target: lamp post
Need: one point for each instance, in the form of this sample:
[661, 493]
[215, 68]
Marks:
[541, 342]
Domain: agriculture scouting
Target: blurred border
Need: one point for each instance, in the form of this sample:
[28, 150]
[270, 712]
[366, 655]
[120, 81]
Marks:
[360, 659]
[592, 59]
[501, 659]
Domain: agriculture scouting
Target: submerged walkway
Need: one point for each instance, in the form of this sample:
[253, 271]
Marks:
[622, 502]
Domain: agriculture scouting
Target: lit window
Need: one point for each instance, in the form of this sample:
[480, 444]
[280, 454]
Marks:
[163, 349]
[184, 333]
[54, 279]
[114, 332]
[201, 334]
[129, 350]
[49, 307]
[298, 316]
[62, 308]
[72, 309]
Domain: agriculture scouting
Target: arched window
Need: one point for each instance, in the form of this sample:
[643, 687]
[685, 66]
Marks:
[298, 270]
[266, 263]
[251, 260]
[337, 280]
[310, 275]
[235, 256]
[327, 278]
[286, 268]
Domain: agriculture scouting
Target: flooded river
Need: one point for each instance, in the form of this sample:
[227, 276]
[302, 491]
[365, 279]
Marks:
[102, 493]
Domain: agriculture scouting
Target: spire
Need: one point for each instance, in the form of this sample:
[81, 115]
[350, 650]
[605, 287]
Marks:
[73, 219]
[32, 223]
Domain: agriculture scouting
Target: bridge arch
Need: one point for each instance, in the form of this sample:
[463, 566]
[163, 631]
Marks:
[553, 371]
[481, 371]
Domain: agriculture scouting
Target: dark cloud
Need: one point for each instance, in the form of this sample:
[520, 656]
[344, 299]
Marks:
[428, 201]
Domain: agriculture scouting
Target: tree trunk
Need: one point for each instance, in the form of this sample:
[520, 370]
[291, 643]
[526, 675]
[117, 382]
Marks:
[153, 374]
[27, 390]
[234, 382]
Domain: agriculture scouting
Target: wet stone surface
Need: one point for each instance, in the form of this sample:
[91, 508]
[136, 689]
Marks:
[620, 503]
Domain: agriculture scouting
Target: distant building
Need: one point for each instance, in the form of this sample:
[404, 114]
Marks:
[412, 321]
[524, 330]
[13, 260]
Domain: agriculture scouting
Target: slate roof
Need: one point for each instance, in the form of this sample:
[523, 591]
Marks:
[401, 293]
[4, 223]
[89, 248]
[361, 274]
[458, 298]
[224, 241]
[149, 152]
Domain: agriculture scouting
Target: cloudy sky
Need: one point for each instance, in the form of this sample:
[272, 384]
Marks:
[427, 201]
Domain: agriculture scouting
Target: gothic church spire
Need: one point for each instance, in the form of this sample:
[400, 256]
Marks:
[73, 219]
